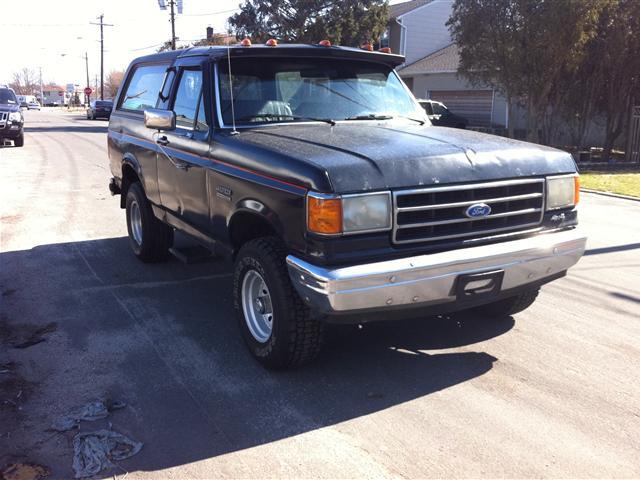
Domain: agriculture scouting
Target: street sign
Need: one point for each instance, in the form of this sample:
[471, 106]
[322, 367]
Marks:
[87, 90]
[71, 88]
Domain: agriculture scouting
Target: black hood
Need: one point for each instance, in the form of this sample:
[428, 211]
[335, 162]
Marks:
[7, 107]
[372, 156]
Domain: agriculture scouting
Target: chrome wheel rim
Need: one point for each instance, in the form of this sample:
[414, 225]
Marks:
[135, 218]
[257, 306]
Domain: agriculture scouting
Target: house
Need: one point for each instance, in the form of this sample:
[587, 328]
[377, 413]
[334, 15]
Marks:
[54, 95]
[418, 30]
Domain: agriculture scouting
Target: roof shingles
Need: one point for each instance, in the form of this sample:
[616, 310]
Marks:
[401, 8]
[445, 60]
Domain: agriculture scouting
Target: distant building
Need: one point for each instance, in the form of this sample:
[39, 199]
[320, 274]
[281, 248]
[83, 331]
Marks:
[54, 95]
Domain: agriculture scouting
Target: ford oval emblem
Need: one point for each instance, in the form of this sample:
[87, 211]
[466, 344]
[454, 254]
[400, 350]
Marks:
[478, 210]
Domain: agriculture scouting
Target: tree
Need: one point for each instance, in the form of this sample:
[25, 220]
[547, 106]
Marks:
[112, 83]
[25, 82]
[348, 22]
[523, 48]
[616, 52]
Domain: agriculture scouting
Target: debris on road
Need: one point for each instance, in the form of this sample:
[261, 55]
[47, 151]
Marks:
[24, 471]
[29, 335]
[90, 412]
[94, 451]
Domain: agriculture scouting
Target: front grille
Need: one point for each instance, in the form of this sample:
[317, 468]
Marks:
[438, 213]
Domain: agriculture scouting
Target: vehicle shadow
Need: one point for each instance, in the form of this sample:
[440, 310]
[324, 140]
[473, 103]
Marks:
[193, 391]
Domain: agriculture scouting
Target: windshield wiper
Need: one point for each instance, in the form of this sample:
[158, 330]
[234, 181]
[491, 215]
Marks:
[283, 118]
[373, 116]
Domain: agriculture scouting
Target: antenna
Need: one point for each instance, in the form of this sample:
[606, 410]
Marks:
[233, 113]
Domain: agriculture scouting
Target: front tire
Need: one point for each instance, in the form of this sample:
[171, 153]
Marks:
[275, 323]
[19, 141]
[509, 306]
[150, 239]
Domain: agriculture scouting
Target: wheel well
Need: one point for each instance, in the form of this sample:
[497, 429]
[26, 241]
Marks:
[129, 176]
[245, 226]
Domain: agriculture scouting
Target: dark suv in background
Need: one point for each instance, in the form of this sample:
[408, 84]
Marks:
[11, 119]
[314, 170]
[99, 109]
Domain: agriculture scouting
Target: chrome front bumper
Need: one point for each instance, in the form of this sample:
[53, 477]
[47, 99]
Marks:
[430, 279]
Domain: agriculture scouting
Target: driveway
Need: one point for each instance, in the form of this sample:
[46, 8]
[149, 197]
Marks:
[553, 392]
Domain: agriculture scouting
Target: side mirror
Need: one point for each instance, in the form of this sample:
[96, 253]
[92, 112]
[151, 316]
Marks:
[160, 119]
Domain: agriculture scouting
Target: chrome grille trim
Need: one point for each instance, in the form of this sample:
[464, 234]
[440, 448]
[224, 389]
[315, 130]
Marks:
[475, 227]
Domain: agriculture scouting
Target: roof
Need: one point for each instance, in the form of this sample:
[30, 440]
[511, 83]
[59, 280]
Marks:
[445, 60]
[291, 50]
[400, 9]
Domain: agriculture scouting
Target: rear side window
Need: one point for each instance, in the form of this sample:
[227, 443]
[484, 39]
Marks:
[143, 88]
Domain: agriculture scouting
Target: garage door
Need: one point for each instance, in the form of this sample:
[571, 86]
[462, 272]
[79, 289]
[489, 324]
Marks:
[474, 105]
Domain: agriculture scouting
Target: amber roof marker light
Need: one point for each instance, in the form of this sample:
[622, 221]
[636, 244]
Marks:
[367, 46]
[385, 50]
[272, 42]
[245, 42]
[324, 43]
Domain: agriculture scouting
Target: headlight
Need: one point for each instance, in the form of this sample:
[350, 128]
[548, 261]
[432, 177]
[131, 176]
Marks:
[335, 214]
[563, 191]
[15, 117]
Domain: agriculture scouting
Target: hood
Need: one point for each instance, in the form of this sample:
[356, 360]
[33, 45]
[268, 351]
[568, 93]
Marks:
[5, 107]
[372, 156]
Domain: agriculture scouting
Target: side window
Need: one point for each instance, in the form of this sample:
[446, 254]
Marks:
[143, 88]
[187, 97]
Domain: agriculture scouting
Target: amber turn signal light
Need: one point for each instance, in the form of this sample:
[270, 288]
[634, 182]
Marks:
[272, 42]
[324, 215]
[576, 193]
[324, 43]
[245, 42]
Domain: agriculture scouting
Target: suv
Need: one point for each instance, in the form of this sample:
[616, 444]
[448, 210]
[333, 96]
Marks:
[99, 109]
[441, 116]
[11, 119]
[317, 173]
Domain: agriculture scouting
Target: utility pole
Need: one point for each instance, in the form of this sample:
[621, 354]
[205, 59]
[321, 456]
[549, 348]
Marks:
[86, 63]
[173, 26]
[41, 90]
[102, 25]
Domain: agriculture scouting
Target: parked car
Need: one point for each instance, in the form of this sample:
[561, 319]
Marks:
[441, 116]
[11, 119]
[314, 170]
[99, 109]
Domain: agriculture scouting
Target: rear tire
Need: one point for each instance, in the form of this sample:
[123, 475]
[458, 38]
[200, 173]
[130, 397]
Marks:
[150, 239]
[275, 323]
[19, 141]
[509, 306]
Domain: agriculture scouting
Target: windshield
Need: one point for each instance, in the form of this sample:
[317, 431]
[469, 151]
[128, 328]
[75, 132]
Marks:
[7, 97]
[301, 89]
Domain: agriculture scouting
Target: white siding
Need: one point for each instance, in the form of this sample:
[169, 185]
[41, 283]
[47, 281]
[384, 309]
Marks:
[425, 29]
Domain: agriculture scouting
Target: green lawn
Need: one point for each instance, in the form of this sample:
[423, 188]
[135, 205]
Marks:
[622, 183]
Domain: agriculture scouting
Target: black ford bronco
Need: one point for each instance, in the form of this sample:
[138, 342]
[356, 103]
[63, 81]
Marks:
[316, 171]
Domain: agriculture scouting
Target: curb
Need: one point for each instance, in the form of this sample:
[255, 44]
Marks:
[609, 194]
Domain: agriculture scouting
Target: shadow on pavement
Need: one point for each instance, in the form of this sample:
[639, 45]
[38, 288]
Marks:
[193, 390]
[615, 248]
[82, 128]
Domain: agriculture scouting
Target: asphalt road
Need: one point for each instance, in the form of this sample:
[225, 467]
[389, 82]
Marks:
[553, 392]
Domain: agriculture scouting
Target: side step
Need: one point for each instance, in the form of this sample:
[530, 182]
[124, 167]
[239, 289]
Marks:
[191, 254]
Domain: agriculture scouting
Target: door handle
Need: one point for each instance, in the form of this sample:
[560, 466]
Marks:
[163, 140]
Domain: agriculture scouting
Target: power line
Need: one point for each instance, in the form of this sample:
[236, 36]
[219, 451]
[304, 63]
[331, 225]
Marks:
[102, 25]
